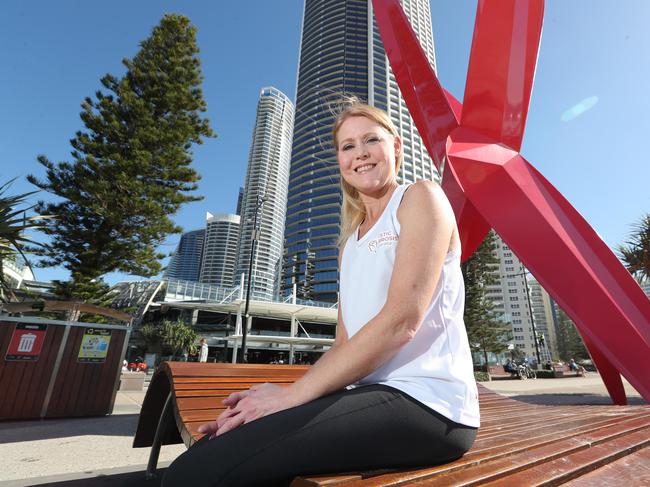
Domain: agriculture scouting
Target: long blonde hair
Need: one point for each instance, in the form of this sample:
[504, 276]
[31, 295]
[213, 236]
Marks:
[353, 210]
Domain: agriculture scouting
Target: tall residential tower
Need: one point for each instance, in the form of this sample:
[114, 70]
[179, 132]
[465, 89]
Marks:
[265, 191]
[510, 295]
[220, 249]
[341, 54]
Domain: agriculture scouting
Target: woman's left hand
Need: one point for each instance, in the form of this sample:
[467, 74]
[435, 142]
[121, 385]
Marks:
[244, 407]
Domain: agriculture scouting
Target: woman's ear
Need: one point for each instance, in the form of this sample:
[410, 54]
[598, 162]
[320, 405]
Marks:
[398, 145]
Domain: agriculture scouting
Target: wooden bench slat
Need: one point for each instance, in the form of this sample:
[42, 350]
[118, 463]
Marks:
[189, 404]
[216, 386]
[552, 432]
[533, 428]
[494, 451]
[632, 469]
[580, 462]
[498, 461]
[324, 481]
[494, 426]
[226, 380]
[499, 425]
[206, 392]
[189, 369]
[200, 414]
[509, 466]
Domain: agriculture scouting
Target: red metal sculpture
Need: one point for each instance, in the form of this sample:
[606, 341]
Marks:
[491, 185]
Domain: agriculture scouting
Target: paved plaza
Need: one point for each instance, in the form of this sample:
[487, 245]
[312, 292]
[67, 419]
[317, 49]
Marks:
[97, 451]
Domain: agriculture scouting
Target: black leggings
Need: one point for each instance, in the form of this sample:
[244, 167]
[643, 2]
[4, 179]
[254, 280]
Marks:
[367, 428]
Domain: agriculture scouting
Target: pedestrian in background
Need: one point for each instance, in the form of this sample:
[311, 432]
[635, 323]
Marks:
[203, 354]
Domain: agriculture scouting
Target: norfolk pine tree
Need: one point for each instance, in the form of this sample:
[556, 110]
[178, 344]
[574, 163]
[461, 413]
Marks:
[485, 332]
[131, 166]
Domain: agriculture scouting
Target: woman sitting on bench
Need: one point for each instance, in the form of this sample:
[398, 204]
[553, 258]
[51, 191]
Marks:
[396, 390]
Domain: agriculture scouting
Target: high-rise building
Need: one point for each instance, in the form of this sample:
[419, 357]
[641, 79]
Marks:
[220, 249]
[341, 54]
[544, 320]
[185, 264]
[240, 198]
[265, 192]
[509, 294]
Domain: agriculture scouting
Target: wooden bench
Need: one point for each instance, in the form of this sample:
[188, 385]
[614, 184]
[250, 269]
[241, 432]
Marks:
[498, 372]
[565, 371]
[517, 444]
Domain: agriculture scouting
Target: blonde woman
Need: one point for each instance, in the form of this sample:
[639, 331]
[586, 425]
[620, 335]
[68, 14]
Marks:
[397, 388]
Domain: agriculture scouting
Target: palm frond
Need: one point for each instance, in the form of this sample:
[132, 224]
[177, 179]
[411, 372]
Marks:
[14, 222]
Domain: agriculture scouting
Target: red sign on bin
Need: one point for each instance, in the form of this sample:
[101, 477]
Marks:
[26, 342]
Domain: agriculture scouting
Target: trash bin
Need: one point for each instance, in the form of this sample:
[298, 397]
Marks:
[52, 368]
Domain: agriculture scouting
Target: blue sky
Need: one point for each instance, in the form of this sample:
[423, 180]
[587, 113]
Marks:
[587, 121]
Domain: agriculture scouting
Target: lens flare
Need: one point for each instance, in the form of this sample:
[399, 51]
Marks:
[580, 108]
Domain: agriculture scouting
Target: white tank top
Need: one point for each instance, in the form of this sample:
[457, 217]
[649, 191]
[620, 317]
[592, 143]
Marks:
[435, 367]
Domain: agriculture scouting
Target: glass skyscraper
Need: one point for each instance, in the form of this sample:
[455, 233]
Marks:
[267, 177]
[185, 264]
[340, 54]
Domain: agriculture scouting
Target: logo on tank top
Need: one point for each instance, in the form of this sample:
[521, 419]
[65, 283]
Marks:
[385, 239]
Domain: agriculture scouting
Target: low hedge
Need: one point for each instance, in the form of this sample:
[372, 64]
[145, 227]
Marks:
[545, 374]
[481, 376]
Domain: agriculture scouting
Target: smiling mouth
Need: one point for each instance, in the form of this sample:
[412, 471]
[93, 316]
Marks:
[365, 168]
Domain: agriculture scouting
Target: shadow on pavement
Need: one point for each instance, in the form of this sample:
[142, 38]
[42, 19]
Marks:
[573, 399]
[116, 425]
[130, 479]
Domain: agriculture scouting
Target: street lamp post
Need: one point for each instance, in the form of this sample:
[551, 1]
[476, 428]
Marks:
[532, 319]
[254, 236]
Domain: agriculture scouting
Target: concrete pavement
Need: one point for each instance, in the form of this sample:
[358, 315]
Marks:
[39, 452]
[97, 452]
[567, 390]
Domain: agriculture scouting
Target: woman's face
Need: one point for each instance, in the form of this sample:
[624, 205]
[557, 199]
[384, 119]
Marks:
[366, 152]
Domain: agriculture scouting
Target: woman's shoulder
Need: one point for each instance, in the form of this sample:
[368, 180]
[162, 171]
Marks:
[424, 186]
[425, 203]
[422, 195]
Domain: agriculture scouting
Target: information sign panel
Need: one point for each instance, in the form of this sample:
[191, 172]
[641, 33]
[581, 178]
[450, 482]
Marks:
[26, 342]
[94, 345]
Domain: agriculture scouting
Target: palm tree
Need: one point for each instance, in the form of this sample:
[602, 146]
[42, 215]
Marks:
[13, 224]
[635, 253]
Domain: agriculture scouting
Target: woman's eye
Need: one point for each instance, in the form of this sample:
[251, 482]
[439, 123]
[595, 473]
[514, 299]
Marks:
[347, 147]
[372, 140]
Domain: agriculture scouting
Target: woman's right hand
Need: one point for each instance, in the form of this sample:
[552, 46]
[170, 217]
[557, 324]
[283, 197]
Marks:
[230, 402]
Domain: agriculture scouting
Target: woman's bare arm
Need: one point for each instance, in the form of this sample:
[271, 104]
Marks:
[427, 227]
